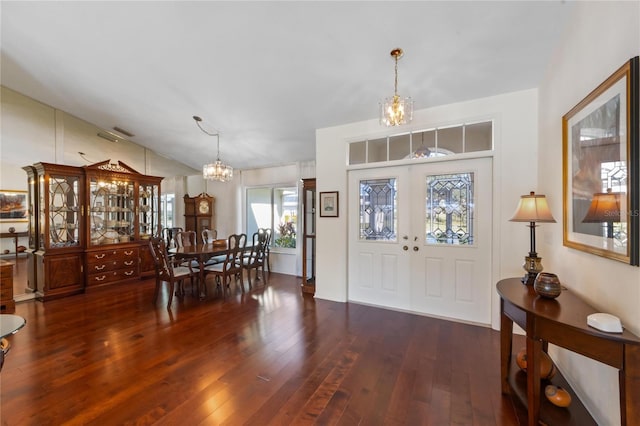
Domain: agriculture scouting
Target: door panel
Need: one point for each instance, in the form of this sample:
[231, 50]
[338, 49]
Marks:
[452, 277]
[378, 266]
[435, 256]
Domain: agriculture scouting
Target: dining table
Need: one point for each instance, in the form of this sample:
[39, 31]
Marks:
[201, 253]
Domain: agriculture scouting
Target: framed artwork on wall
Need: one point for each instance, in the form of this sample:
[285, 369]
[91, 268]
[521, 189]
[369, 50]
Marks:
[329, 204]
[13, 206]
[600, 173]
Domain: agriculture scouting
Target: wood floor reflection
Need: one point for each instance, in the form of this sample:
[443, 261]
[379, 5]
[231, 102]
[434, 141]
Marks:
[268, 356]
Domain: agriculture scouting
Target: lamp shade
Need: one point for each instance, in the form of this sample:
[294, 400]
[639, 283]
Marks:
[533, 208]
[605, 207]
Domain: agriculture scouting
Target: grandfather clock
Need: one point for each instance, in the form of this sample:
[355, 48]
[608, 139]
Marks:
[199, 213]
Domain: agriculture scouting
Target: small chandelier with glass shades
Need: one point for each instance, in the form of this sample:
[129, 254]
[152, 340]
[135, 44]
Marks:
[395, 110]
[218, 170]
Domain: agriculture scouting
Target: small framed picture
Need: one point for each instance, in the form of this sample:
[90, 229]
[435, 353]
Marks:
[329, 204]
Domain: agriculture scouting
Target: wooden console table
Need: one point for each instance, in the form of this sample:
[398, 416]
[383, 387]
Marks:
[563, 322]
[15, 236]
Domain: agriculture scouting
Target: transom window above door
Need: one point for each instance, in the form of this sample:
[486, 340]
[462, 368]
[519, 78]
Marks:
[437, 142]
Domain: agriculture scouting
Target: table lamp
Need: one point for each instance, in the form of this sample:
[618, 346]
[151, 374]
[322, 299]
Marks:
[532, 208]
[604, 208]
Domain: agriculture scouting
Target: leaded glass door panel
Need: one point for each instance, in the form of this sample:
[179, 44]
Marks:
[420, 238]
[378, 265]
[451, 264]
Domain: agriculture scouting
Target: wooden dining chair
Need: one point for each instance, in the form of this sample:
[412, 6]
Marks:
[231, 267]
[167, 271]
[256, 258]
[185, 238]
[209, 236]
[267, 234]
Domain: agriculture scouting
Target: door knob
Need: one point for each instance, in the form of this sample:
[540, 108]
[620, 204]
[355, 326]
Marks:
[415, 248]
[405, 248]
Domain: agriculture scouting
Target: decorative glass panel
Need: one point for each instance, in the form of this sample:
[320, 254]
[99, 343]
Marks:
[148, 216]
[378, 202]
[63, 211]
[449, 209]
[111, 211]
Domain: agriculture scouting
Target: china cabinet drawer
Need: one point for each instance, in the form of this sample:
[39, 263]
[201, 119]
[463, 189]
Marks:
[114, 255]
[111, 276]
[111, 265]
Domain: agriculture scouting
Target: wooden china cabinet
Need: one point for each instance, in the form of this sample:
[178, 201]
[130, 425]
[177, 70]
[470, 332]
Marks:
[59, 243]
[92, 226]
[123, 212]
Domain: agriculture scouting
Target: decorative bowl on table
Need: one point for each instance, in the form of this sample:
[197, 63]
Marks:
[547, 285]
[547, 368]
[557, 396]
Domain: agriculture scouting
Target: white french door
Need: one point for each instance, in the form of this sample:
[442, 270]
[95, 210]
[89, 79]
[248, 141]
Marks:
[420, 238]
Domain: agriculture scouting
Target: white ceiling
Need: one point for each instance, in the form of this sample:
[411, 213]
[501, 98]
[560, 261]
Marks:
[265, 74]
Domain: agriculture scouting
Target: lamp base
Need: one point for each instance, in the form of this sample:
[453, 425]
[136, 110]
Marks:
[529, 278]
[532, 265]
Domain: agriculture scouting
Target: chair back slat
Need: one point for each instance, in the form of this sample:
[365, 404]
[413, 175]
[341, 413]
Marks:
[209, 236]
[185, 239]
[164, 270]
[236, 246]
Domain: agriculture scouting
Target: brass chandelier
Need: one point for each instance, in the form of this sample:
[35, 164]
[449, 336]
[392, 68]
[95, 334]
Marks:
[218, 170]
[395, 110]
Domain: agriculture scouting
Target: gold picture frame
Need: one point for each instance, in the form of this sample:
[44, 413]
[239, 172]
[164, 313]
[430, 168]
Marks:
[13, 206]
[600, 169]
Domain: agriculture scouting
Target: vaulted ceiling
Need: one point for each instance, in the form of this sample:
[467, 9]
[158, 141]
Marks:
[265, 74]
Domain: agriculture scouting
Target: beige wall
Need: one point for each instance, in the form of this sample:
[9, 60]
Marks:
[33, 132]
[585, 58]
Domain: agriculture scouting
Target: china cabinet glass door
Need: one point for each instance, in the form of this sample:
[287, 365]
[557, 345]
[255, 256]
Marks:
[111, 209]
[148, 214]
[64, 210]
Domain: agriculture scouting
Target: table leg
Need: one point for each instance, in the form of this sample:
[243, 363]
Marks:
[201, 285]
[534, 348]
[506, 339]
[629, 381]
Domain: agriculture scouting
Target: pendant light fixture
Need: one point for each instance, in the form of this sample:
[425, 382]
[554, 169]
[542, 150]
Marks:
[395, 110]
[218, 170]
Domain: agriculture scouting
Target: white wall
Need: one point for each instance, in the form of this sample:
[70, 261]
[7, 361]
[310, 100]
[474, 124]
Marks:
[601, 37]
[515, 173]
[33, 132]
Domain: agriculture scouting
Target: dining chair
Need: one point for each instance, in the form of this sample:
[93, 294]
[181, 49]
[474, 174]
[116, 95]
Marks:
[256, 258]
[167, 271]
[209, 236]
[185, 238]
[267, 234]
[232, 264]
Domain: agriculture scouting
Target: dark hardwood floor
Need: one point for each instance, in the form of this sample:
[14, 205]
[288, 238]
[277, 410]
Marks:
[269, 356]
